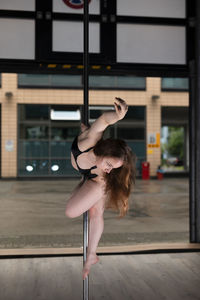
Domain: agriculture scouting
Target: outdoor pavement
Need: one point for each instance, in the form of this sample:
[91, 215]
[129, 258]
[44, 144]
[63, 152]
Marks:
[33, 214]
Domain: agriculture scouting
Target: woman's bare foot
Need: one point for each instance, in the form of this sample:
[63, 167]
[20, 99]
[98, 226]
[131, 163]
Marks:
[91, 260]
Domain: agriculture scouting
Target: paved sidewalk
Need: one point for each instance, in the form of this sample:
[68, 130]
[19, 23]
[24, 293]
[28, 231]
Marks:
[33, 214]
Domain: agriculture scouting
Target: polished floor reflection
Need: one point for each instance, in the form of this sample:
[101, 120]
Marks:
[33, 214]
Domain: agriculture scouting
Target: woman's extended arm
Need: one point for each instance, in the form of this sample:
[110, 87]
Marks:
[108, 118]
[90, 136]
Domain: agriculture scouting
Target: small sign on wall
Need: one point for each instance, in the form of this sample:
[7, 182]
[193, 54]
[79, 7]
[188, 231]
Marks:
[154, 140]
[75, 3]
[150, 151]
[9, 145]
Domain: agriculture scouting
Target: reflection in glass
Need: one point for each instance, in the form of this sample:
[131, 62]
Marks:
[62, 167]
[49, 80]
[30, 132]
[54, 168]
[35, 149]
[63, 133]
[65, 80]
[29, 168]
[33, 167]
[76, 81]
[126, 82]
[44, 144]
[181, 84]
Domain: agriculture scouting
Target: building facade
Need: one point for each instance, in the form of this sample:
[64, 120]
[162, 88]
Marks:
[40, 116]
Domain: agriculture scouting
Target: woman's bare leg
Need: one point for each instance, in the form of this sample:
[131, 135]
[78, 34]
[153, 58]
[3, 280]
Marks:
[83, 198]
[89, 196]
[96, 227]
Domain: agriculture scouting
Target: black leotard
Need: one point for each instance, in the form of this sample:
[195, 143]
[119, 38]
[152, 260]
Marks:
[76, 152]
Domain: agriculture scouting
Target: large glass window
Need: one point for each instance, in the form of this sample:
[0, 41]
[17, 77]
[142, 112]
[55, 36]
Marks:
[175, 84]
[117, 82]
[49, 81]
[76, 81]
[45, 136]
[47, 131]
[34, 112]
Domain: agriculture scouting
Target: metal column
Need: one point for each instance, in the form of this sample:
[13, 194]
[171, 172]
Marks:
[195, 134]
[197, 122]
[85, 121]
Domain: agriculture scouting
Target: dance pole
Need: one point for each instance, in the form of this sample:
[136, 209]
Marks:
[85, 121]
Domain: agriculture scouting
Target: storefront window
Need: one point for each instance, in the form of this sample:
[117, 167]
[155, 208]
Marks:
[47, 81]
[46, 133]
[33, 167]
[34, 112]
[129, 133]
[44, 142]
[175, 84]
[117, 82]
[76, 81]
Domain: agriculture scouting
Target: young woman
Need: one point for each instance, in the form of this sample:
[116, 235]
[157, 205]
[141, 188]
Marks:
[108, 169]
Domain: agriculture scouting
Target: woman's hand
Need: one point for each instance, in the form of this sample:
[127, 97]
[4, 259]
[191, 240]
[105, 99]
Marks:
[121, 108]
[96, 130]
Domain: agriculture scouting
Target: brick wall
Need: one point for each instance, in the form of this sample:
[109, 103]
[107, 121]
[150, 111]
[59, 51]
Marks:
[9, 126]
[56, 96]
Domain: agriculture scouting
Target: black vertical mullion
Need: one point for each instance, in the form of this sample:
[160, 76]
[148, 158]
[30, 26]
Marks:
[185, 148]
[49, 139]
[43, 30]
[190, 31]
[108, 25]
[0, 140]
[145, 131]
[18, 137]
[197, 123]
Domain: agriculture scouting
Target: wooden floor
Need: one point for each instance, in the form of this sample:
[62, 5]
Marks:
[171, 276]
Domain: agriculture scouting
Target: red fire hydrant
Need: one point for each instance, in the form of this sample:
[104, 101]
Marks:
[145, 170]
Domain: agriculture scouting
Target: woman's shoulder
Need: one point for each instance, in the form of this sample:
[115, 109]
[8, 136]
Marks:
[86, 141]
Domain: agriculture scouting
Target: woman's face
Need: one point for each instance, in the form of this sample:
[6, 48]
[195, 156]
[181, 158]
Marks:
[106, 164]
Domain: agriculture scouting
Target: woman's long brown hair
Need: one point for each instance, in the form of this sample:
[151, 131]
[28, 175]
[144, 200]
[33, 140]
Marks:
[119, 181]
